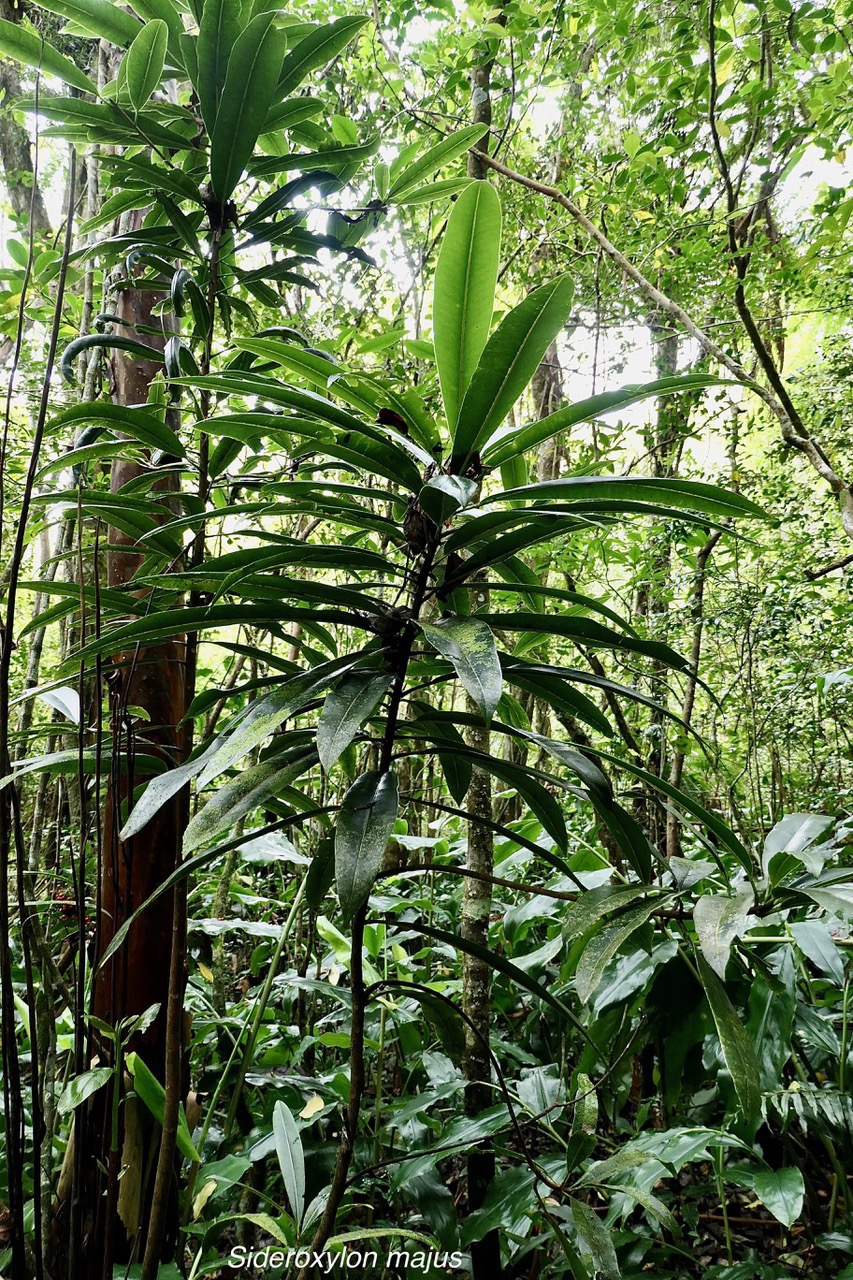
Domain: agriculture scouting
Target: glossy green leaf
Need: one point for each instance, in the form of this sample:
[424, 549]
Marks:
[140, 423]
[782, 1192]
[250, 790]
[364, 827]
[266, 714]
[218, 32]
[250, 82]
[99, 18]
[316, 50]
[291, 1158]
[464, 292]
[603, 946]
[738, 1049]
[82, 1087]
[106, 341]
[512, 441]
[469, 644]
[345, 710]
[144, 61]
[26, 46]
[508, 362]
[708, 499]
[147, 1087]
[444, 152]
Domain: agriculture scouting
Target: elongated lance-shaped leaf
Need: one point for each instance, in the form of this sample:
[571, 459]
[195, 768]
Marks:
[291, 1158]
[510, 442]
[142, 423]
[692, 495]
[100, 18]
[496, 961]
[143, 62]
[149, 1089]
[249, 86]
[345, 710]
[603, 945]
[738, 1049]
[469, 644]
[27, 47]
[248, 791]
[315, 50]
[268, 713]
[218, 31]
[509, 360]
[435, 158]
[364, 827]
[140, 350]
[163, 788]
[464, 293]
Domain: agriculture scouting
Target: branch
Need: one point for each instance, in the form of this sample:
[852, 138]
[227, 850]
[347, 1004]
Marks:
[794, 432]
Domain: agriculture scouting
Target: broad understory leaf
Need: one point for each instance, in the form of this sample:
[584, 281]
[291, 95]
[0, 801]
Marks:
[291, 1158]
[719, 919]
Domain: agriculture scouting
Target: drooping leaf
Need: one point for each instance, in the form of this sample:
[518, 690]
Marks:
[345, 710]
[143, 62]
[161, 790]
[719, 919]
[512, 441]
[512, 971]
[139, 422]
[364, 827]
[249, 790]
[291, 1158]
[250, 82]
[710, 499]
[99, 18]
[508, 362]
[140, 350]
[464, 293]
[603, 945]
[266, 714]
[150, 1090]
[469, 644]
[27, 47]
[738, 1049]
[597, 1240]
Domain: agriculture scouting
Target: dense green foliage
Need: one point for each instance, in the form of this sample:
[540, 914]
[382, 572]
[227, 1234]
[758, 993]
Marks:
[423, 503]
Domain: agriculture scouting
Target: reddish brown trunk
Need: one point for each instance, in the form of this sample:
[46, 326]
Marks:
[112, 1214]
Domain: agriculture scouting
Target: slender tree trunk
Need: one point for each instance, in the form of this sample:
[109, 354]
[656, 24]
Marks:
[111, 1202]
[477, 899]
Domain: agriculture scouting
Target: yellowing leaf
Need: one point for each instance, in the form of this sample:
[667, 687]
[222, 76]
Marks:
[205, 971]
[312, 1107]
[202, 1198]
